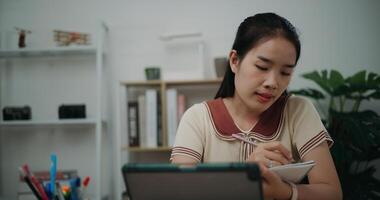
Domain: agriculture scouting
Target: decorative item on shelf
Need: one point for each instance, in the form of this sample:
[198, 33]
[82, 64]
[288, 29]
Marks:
[22, 36]
[72, 111]
[221, 64]
[153, 73]
[65, 38]
[185, 55]
[17, 113]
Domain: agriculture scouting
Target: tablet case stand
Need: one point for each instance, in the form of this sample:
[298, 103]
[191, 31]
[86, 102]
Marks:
[222, 181]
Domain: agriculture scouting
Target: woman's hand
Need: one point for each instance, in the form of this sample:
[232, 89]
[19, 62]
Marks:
[270, 154]
[273, 186]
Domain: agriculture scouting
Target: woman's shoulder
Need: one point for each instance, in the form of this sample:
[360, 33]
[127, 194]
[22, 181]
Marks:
[296, 102]
[196, 109]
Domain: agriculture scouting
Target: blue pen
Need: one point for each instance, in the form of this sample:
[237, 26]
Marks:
[47, 190]
[53, 172]
[74, 184]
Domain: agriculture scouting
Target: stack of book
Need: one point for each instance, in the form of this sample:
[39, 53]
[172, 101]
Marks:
[145, 121]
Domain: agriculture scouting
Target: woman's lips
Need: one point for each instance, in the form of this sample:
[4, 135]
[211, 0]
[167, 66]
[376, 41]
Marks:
[264, 97]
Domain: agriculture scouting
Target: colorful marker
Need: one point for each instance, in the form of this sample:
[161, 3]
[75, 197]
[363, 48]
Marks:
[53, 172]
[86, 181]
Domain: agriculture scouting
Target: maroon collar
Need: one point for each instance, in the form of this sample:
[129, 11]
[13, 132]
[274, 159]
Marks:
[266, 126]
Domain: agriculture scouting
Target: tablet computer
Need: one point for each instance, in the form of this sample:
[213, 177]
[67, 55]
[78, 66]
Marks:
[205, 181]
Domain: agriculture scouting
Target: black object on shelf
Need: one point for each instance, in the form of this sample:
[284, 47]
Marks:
[72, 111]
[17, 113]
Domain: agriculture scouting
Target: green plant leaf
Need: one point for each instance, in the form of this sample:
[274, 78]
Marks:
[342, 90]
[357, 82]
[375, 95]
[320, 80]
[374, 153]
[356, 134]
[358, 78]
[359, 129]
[360, 185]
[373, 80]
[309, 92]
[336, 79]
[338, 151]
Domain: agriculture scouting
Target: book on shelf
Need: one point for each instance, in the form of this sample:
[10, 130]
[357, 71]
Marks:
[294, 172]
[151, 118]
[159, 121]
[133, 121]
[172, 114]
[142, 120]
[181, 103]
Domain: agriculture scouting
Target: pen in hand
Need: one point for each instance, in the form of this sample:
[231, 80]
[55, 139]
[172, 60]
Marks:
[239, 137]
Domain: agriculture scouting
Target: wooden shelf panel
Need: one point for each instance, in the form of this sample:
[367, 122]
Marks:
[142, 83]
[171, 83]
[145, 149]
[58, 51]
[21, 123]
[193, 82]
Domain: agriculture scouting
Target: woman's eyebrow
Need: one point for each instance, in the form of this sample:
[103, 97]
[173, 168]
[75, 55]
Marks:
[267, 60]
[289, 66]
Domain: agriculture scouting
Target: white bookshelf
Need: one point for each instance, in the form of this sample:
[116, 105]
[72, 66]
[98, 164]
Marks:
[96, 52]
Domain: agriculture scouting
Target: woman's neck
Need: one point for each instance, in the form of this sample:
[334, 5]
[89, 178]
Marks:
[244, 117]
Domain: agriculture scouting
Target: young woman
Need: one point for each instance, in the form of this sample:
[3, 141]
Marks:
[252, 102]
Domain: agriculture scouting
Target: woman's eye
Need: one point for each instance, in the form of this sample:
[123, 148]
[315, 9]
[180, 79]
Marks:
[261, 68]
[285, 73]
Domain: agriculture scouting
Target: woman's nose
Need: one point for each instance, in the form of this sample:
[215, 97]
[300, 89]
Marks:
[271, 81]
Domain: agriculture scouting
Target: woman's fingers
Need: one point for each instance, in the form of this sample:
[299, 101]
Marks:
[269, 178]
[271, 154]
[268, 158]
[272, 163]
[267, 174]
[277, 146]
[276, 157]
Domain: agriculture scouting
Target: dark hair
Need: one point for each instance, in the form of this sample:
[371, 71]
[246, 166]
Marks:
[251, 31]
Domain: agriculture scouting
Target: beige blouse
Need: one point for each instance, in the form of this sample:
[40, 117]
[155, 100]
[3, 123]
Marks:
[205, 130]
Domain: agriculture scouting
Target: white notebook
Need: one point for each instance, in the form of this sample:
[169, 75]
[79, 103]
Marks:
[294, 172]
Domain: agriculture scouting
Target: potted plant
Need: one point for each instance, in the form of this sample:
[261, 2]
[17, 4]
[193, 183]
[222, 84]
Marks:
[356, 131]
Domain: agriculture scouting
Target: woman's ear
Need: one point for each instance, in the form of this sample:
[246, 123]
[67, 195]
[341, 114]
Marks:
[234, 61]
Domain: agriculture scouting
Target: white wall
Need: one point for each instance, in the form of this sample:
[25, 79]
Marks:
[340, 34]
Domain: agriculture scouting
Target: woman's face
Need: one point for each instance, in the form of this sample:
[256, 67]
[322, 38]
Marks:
[264, 73]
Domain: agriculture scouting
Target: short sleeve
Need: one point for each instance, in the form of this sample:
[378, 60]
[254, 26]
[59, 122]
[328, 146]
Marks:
[190, 139]
[308, 130]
